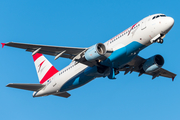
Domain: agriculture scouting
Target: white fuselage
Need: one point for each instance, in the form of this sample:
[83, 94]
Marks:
[140, 34]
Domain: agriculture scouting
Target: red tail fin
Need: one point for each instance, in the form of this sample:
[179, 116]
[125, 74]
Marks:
[44, 68]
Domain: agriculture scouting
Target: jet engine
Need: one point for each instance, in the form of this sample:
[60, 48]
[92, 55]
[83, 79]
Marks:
[96, 52]
[154, 63]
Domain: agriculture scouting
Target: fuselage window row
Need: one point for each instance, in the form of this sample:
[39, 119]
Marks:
[121, 35]
[66, 69]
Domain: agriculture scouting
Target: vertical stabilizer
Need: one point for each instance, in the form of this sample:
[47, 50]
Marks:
[44, 68]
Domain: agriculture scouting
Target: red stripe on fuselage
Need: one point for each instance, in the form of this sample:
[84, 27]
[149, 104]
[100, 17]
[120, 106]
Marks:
[49, 74]
[134, 25]
[36, 56]
[132, 28]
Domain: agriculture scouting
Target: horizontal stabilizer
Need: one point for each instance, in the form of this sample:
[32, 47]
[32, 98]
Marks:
[64, 94]
[31, 87]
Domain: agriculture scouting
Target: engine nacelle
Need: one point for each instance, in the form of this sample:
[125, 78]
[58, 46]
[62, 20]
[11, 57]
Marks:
[153, 63]
[95, 52]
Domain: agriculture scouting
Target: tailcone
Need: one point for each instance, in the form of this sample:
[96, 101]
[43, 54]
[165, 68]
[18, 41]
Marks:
[39, 94]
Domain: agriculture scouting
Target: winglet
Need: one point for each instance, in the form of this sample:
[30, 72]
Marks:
[173, 78]
[3, 44]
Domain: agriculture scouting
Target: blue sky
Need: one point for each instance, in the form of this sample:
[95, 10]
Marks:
[82, 24]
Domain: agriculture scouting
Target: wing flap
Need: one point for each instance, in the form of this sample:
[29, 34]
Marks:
[31, 87]
[64, 94]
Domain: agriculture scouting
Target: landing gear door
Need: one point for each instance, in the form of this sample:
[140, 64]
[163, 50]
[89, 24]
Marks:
[143, 24]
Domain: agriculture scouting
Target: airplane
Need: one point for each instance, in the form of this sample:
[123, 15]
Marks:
[120, 53]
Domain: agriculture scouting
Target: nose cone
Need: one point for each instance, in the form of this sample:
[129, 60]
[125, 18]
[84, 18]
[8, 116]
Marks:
[169, 24]
[170, 21]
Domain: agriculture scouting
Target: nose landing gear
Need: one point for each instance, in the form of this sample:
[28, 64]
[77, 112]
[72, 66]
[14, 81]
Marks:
[160, 41]
[158, 38]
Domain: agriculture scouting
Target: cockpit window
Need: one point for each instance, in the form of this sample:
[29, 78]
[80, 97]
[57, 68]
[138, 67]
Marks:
[158, 16]
[163, 15]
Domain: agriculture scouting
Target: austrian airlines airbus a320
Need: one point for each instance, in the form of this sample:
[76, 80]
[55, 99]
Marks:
[100, 60]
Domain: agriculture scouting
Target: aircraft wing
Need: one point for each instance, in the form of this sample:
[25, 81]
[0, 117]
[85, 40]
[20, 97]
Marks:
[31, 87]
[135, 64]
[65, 52]
[72, 53]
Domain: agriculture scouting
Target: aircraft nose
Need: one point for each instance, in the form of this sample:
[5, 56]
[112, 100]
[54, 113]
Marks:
[169, 22]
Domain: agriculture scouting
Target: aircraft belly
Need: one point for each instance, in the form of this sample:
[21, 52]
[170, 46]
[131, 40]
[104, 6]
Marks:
[123, 55]
[116, 59]
[73, 72]
[76, 81]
